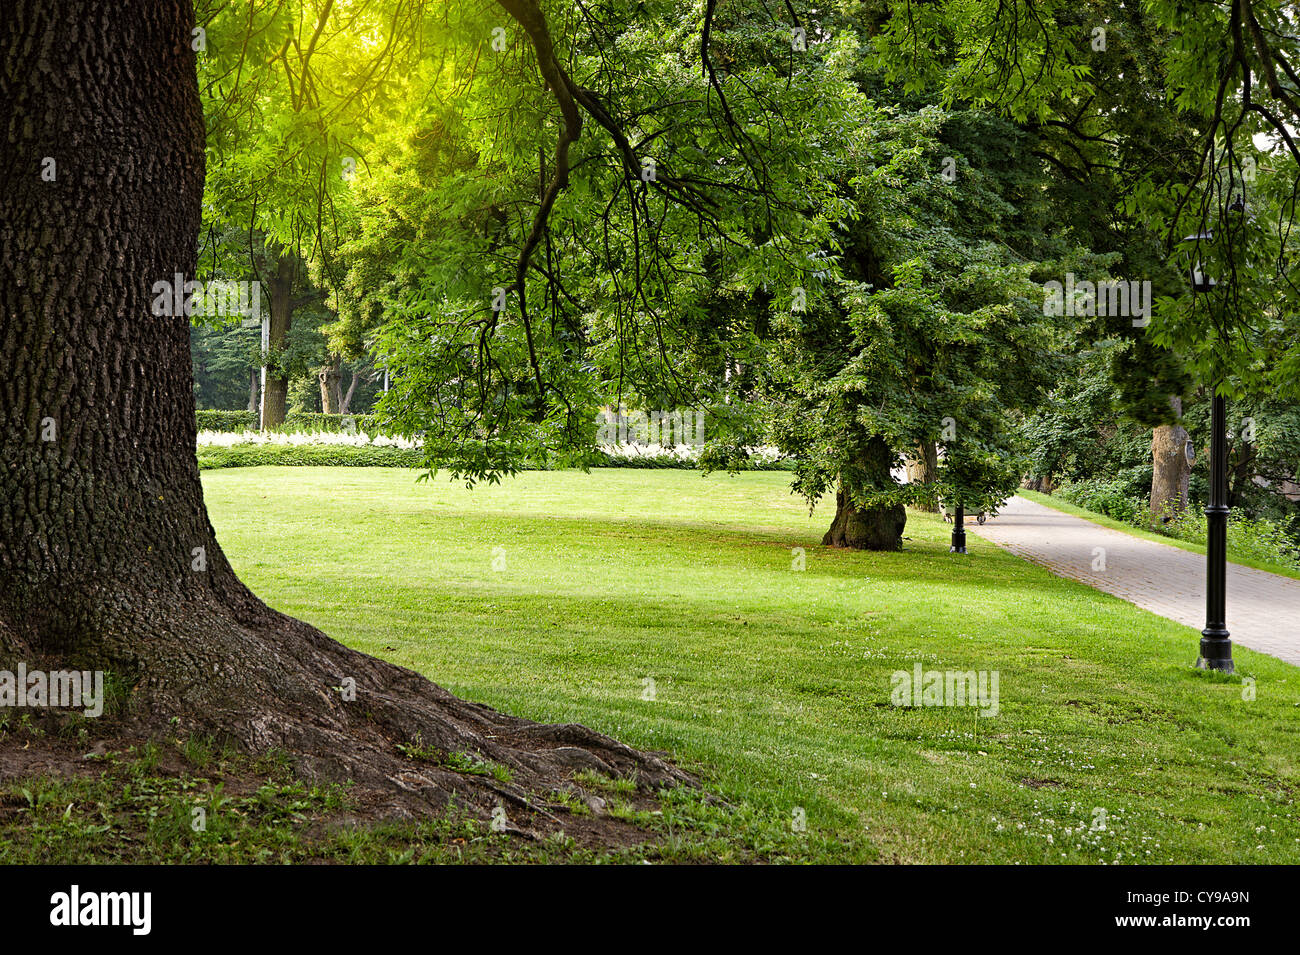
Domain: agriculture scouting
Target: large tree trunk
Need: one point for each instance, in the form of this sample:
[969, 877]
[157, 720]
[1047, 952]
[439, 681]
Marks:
[924, 469]
[107, 558]
[1171, 472]
[331, 387]
[878, 528]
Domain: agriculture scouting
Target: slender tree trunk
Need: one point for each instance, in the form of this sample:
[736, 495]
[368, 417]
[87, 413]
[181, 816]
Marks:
[107, 558]
[879, 528]
[1171, 472]
[275, 398]
[352, 390]
[254, 383]
[1241, 454]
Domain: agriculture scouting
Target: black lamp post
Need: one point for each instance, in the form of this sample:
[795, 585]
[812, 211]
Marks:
[958, 545]
[1216, 647]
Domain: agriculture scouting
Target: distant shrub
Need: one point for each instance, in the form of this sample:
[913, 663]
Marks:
[297, 423]
[306, 421]
[1251, 538]
[227, 444]
[1135, 482]
[687, 458]
[1106, 497]
[226, 420]
[645, 461]
[311, 455]
[1257, 539]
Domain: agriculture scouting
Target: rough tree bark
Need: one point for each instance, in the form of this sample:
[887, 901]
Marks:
[923, 469]
[330, 378]
[878, 528]
[1171, 472]
[108, 560]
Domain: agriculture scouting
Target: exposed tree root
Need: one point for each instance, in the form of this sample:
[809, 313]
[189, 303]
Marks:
[267, 682]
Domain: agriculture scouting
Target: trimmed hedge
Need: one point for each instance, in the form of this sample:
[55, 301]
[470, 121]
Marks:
[386, 456]
[311, 455]
[318, 421]
[234, 422]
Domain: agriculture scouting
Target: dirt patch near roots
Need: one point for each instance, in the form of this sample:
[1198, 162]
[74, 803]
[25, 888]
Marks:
[587, 810]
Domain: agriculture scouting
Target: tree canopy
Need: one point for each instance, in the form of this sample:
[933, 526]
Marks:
[827, 228]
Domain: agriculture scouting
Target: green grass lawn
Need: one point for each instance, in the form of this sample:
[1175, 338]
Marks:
[773, 684]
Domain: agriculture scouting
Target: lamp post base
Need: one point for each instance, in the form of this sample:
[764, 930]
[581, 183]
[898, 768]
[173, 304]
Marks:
[1216, 651]
[958, 545]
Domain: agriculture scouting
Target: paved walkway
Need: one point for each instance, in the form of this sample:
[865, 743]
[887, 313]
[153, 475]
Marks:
[1263, 608]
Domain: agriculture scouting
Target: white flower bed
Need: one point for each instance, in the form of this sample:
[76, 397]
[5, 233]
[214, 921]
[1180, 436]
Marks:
[682, 452]
[230, 439]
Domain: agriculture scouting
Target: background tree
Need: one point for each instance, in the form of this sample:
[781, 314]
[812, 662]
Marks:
[706, 233]
[1221, 68]
[940, 335]
[227, 366]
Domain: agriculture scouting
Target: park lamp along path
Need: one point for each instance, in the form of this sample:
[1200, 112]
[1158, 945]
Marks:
[1216, 645]
[958, 542]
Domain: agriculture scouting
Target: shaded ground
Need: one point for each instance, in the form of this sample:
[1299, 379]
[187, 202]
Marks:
[113, 799]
